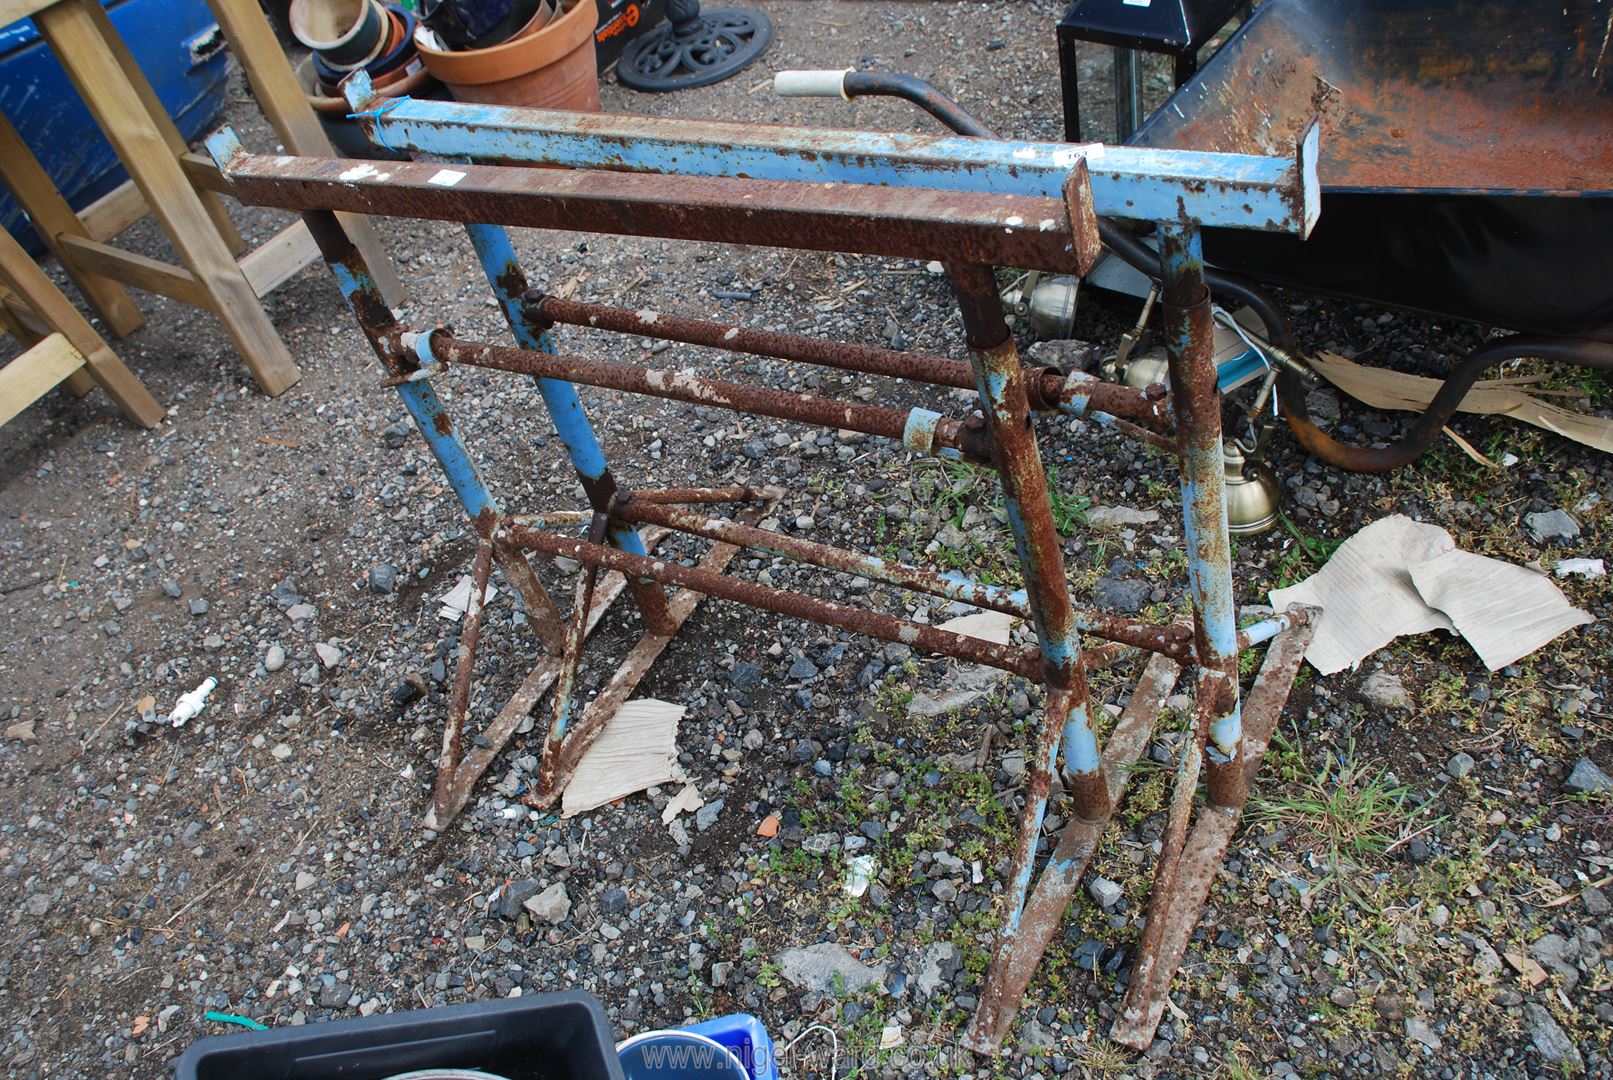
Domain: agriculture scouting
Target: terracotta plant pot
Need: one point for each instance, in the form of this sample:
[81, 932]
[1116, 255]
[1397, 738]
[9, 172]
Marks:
[417, 83]
[347, 33]
[549, 67]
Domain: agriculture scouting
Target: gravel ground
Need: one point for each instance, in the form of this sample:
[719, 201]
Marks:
[1413, 894]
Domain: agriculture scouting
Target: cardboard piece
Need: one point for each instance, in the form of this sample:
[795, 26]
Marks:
[638, 749]
[1366, 593]
[1504, 611]
[686, 800]
[966, 683]
[1385, 389]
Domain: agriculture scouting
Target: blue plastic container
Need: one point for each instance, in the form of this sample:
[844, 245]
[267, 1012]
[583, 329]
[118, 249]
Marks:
[745, 1036]
[179, 48]
[734, 1047]
[677, 1055]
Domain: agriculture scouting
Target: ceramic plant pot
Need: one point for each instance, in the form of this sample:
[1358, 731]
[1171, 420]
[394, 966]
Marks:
[346, 33]
[549, 65]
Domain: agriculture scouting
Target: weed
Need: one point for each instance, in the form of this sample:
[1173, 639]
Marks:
[1353, 810]
[1305, 556]
[1069, 511]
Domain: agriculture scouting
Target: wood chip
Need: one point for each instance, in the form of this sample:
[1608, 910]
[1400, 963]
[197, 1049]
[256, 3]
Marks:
[1526, 967]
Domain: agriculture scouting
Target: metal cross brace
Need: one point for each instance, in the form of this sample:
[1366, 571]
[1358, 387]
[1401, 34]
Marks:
[972, 204]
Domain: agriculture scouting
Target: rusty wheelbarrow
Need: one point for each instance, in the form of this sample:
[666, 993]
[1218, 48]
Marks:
[1466, 168]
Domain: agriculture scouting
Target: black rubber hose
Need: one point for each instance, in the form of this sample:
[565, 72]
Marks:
[1426, 428]
[920, 93]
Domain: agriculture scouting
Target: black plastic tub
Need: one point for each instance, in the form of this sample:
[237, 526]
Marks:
[563, 1036]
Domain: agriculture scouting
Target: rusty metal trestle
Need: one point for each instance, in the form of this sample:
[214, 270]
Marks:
[970, 203]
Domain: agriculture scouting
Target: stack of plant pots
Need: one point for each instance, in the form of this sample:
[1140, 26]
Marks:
[347, 36]
[538, 53]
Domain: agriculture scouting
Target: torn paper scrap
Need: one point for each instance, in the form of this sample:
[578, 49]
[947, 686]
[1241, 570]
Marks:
[859, 874]
[1505, 611]
[1585, 568]
[686, 800]
[966, 683]
[456, 600]
[985, 625]
[638, 749]
[1366, 593]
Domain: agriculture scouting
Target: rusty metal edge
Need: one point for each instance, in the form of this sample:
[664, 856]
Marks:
[627, 676]
[911, 222]
[1151, 977]
[498, 731]
[1016, 960]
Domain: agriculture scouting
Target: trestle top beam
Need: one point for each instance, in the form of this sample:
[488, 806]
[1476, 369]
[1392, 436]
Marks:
[1243, 191]
[930, 224]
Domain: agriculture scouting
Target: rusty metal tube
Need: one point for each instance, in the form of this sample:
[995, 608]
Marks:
[375, 319]
[875, 218]
[508, 282]
[1173, 640]
[1205, 846]
[690, 496]
[630, 508]
[464, 671]
[1189, 337]
[1048, 390]
[874, 624]
[563, 703]
[887, 423]
[1015, 960]
[1000, 381]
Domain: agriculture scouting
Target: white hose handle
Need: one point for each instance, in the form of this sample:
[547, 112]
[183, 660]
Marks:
[812, 83]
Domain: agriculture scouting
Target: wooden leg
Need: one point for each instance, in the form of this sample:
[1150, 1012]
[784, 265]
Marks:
[71, 29]
[21, 275]
[14, 322]
[79, 383]
[164, 123]
[19, 323]
[36, 373]
[287, 109]
[52, 217]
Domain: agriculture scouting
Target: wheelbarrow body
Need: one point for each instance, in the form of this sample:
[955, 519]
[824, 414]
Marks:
[1467, 153]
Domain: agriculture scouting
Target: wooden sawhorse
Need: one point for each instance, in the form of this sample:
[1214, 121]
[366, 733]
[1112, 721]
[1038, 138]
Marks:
[179, 187]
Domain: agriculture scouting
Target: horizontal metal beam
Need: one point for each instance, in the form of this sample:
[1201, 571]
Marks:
[1229, 190]
[1078, 393]
[989, 229]
[1018, 661]
[946, 436]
